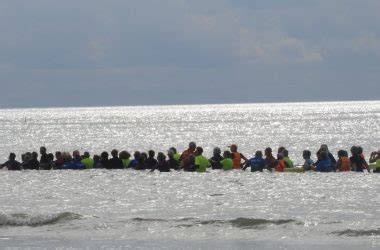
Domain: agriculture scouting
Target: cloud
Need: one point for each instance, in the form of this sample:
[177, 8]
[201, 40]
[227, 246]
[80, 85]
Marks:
[172, 45]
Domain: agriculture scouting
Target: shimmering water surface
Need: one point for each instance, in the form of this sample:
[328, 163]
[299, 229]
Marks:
[118, 209]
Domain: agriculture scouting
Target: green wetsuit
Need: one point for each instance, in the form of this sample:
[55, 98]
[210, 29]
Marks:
[88, 162]
[202, 163]
[227, 164]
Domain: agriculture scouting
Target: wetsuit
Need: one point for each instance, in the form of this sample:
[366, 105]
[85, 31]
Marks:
[270, 162]
[150, 163]
[324, 166]
[215, 162]
[202, 163]
[256, 164]
[227, 164]
[12, 165]
[358, 163]
[73, 164]
[343, 164]
[45, 163]
[126, 163]
[288, 162]
[88, 162]
[31, 164]
[163, 166]
[308, 164]
[115, 163]
[173, 163]
[103, 163]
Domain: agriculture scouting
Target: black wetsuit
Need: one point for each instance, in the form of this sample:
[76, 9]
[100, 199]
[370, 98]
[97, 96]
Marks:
[12, 165]
[150, 163]
[115, 163]
[358, 162]
[163, 166]
[215, 162]
[173, 164]
[31, 164]
[103, 163]
[45, 162]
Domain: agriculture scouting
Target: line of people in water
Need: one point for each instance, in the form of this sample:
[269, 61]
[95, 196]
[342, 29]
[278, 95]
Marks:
[192, 159]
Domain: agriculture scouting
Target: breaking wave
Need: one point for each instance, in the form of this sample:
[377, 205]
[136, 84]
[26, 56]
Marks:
[242, 223]
[358, 233]
[35, 220]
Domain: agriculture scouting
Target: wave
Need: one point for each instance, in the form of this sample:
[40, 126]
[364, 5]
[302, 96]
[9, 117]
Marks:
[36, 220]
[358, 233]
[242, 223]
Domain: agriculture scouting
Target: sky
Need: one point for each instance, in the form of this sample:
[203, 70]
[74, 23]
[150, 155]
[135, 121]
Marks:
[148, 52]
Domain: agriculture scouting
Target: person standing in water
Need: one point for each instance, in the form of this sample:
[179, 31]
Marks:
[115, 162]
[227, 163]
[45, 161]
[270, 161]
[309, 163]
[162, 165]
[343, 163]
[87, 161]
[256, 163]
[375, 158]
[216, 159]
[237, 157]
[184, 159]
[201, 162]
[151, 162]
[11, 164]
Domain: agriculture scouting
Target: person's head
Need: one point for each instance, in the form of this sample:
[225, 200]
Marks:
[58, 155]
[199, 151]
[144, 155]
[136, 155]
[173, 149]
[96, 158]
[34, 155]
[86, 155]
[151, 153]
[161, 157]
[280, 150]
[280, 156]
[324, 148]
[341, 153]
[23, 157]
[285, 153]
[192, 146]
[217, 151]
[268, 151]
[306, 154]
[12, 156]
[259, 154]
[124, 155]
[76, 154]
[42, 150]
[171, 153]
[360, 150]
[104, 155]
[233, 148]
[114, 153]
[226, 154]
[66, 156]
[354, 150]
[324, 155]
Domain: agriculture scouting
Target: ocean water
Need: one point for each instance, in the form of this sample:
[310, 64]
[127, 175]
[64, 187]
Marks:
[216, 210]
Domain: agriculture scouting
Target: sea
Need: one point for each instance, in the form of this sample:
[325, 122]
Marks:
[127, 209]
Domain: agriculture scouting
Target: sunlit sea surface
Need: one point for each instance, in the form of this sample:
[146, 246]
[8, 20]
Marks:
[230, 210]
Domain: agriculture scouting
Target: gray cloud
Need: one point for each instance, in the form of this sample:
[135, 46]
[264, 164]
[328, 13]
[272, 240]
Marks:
[79, 53]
